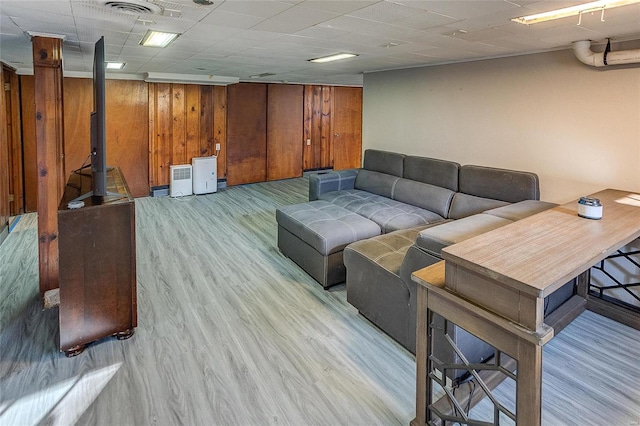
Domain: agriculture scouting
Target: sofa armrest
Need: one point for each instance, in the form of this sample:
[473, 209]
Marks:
[320, 183]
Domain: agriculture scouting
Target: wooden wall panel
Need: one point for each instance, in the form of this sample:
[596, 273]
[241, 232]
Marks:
[128, 133]
[179, 133]
[220, 128]
[284, 131]
[184, 121]
[160, 133]
[347, 127]
[326, 147]
[14, 137]
[200, 104]
[317, 127]
[77, 121]
[28, 109]
[246, 133]
[312, 127]
[4, 159]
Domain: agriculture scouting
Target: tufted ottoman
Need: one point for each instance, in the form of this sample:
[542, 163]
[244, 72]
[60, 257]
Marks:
[314, 235]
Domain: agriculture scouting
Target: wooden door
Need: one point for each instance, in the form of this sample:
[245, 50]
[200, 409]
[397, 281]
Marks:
[246, 133]
[284, 131]
[317, 127]
[347, 127]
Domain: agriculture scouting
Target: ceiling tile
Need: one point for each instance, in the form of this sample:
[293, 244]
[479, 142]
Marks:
[294, 19]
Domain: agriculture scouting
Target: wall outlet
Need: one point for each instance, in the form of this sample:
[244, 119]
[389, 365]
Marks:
[217, 147]
[308, 142]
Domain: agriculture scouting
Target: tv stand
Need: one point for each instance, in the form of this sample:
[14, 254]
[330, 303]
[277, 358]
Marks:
[97, 264]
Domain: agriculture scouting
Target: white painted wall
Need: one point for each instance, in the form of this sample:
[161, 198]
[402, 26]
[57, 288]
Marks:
[577, 127]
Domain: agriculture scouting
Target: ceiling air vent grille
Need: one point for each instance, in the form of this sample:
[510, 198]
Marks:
[133, 7]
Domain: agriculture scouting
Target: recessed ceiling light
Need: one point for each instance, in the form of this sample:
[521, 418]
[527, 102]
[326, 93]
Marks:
[115, 65]
[158, 38]
[332, 58]
[565, 12]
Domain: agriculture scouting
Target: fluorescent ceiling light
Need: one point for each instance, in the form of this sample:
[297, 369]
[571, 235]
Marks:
[332, 58]
[115, 65]
[157, 38]
[211, 80]
[593, 6]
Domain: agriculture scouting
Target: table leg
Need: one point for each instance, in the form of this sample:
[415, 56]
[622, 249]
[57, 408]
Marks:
[423, 393]
[529, 387]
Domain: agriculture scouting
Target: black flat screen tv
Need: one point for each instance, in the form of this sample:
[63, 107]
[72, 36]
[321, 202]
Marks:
[98, 153]
[98, 124]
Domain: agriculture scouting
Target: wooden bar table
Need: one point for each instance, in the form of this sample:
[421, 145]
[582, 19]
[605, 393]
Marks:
[494, 286]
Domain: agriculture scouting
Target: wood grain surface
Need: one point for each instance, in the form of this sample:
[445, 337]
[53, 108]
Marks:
[540, 253]
[230, 332]
[246, 133]
[284, 131]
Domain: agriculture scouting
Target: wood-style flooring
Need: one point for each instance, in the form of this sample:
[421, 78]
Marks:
[230, 332]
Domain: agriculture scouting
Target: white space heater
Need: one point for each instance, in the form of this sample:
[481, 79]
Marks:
[205, 174]
[180, 182]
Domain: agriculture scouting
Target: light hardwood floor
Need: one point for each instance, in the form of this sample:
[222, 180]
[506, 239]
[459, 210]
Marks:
[233, 333]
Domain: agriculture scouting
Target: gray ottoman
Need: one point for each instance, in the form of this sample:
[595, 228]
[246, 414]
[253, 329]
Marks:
[314, 235]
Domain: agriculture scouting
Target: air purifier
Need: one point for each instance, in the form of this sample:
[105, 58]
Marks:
[180, 180]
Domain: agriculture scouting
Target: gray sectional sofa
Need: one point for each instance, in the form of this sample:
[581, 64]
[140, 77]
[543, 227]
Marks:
[380, 223]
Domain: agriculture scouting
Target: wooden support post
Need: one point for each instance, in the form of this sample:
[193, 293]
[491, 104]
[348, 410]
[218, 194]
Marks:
[47, 70]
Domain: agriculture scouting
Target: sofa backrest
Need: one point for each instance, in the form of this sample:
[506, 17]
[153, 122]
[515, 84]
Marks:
[500, 184]
[483, 188]
[432, 171]
[390, 163]
[376, 182]
[431, 197]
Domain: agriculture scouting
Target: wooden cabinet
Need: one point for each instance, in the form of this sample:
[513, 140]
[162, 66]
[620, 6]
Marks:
[246, 133]
[97, 264]
[284, 131]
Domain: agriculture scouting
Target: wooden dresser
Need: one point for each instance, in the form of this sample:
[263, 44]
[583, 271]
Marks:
[97, 264]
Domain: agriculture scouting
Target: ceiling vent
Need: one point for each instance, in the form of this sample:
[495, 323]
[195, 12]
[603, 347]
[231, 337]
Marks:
[132, 7]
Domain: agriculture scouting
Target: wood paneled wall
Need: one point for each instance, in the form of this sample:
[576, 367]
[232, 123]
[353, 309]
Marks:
[247, 133]
[127, 131]
[29, 164]
[284, 131]
[346, 135]
[317, 127]
[4, 160]
[152, 126]
[332, 127]
[185, 121]
[14, 140]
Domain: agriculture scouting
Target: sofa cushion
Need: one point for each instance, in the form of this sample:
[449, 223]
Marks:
[499, 184]
[386, 251]
[326, 227]
[464, 205]
[389, 214]
[430, 197]
[390, 163]
[432, 171]
[517, 211]
[376, 182]
[434, 239]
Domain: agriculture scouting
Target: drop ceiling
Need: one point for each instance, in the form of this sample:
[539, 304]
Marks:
[275, 39]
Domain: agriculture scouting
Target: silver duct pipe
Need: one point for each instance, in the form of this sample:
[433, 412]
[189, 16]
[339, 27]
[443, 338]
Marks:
[582, 50]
